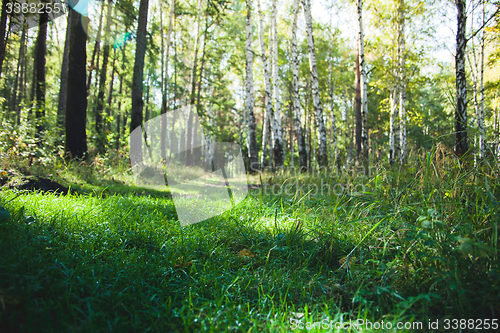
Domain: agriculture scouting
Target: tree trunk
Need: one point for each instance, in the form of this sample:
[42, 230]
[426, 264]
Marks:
[100, 144]
[41, 50]
[299, 134]
[3, 30]
[192, 93]
[364, 96]
[137, 85]
[461, 146]
[164, 76]
[357, 107]
[392, 130]
[97, 46]
[111, 86]
[76, 98]
[402, 82]
[277, 135]
[269, 112]
[333, 130]
[253, 153]
[19, 77]
[63, 88]
[318, 108]
[480, 118]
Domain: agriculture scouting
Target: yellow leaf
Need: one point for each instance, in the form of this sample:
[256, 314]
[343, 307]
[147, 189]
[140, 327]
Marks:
[245, 253]
[181, 263]
[343, 260]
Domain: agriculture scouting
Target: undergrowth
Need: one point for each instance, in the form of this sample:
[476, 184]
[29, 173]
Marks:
[413, 246]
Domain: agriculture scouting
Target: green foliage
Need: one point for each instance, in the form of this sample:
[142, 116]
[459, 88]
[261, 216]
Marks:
[413, 246]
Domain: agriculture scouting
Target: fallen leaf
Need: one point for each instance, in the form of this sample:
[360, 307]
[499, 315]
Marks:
[181, 263]
[343, 264]
[245, 253]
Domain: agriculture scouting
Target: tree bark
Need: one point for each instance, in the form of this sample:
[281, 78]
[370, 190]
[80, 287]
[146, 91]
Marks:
[41, 50]
[461, 146]
[364, 95]
[100, 144]
[76, 98]
[136, 116]
[357, 106]
[392, 130]
[277, 132]
[63, 88]
[402, 82]
[3, 31]
[269, 112]
[482, 133]
[318, 108]
[164, 76]
[333, 130]
[299, 134]
[97, 47]
[19, 76]
[253, 153]
[192, 93]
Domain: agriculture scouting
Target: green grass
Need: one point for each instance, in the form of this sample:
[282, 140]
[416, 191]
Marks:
[422, 245]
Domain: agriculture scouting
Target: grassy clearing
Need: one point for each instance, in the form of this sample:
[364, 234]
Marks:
[412, 246]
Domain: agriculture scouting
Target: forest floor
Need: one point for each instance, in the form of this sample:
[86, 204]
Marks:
[411, 248]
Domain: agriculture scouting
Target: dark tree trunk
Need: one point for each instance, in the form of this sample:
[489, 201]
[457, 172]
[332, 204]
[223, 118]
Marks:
[137, 85]
[76, 98]
[61, 106]
[3, 30]
[461, 146]
[41, 50]
[357, 107]
[102, 86]
[19, 77]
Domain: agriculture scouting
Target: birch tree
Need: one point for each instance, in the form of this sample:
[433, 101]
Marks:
[268, 114]
[137, 85]
[165, 50]
[363, 88]
[277, 137]
[333, 130]
[461, 146]
[392, 130]
[402, 82]
[249, 98]
[318, 108]
[295, 98]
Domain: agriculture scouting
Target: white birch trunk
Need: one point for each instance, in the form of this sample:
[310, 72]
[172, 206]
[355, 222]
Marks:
[299, 135]
[318, 108]
[267, 86]
[333, 130]
[253, 153]
[277, 135]
[392, 130]
[364, 98]
[480, 119]
[402, 83]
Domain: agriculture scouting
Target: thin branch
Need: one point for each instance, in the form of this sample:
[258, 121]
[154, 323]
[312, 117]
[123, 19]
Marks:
[482, 26]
